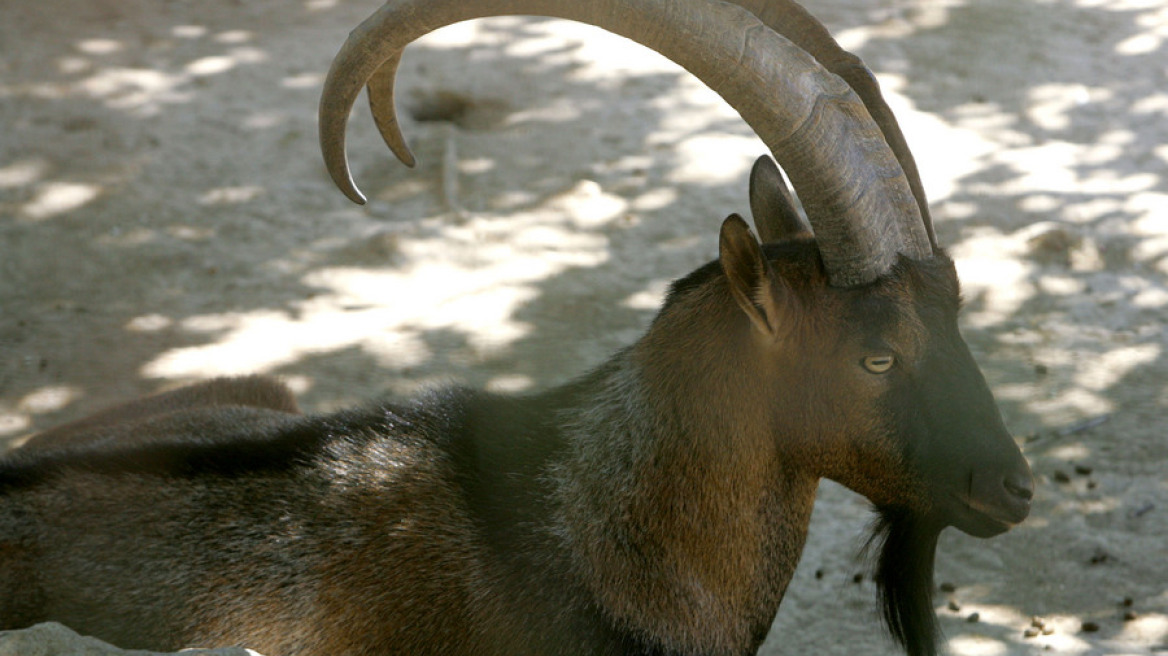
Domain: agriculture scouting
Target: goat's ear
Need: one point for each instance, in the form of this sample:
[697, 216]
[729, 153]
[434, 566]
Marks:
[772, 205]
[757, 289]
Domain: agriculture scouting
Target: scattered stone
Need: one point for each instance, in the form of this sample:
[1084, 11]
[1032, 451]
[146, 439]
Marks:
[948, 587]
[954, 607]
[1054, 245]
[1061, 476]
[1129, 615]
[1041, 369]
[1030, 632]
[1100, 556]
[467, 112]
[973, 618]
[1083, 470]
[1090, 627]
[1037, 622]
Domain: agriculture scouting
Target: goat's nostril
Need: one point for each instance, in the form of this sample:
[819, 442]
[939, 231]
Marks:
[1020, 487]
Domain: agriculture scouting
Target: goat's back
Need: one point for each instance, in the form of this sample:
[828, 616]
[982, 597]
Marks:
[241, 525]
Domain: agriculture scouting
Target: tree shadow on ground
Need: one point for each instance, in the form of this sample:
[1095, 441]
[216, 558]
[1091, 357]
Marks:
[164, 217]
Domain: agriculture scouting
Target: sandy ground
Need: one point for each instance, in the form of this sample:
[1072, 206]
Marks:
[164, 217]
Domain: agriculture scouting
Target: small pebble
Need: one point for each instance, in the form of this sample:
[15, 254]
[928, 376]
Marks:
[1127, 602]
[948, 587]
[1100, 557]
[1047, 630]
[954, 607]
[1037, 622]
[1041, 369]
[1083, 470]
[1090, 627]
[1129, 615]
[1030, 633]
[973, 618]
[1061, 476]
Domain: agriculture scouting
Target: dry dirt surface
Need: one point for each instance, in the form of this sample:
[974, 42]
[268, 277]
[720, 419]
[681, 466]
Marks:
[165, 218]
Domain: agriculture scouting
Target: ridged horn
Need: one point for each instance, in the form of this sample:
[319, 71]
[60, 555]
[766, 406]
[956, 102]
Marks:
[793, 21]
[848, 179]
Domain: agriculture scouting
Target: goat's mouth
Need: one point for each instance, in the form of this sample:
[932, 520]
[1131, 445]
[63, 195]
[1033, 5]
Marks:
[991, 502]
[983, 520]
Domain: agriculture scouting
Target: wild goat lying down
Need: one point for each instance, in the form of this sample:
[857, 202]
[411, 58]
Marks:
[657, 505]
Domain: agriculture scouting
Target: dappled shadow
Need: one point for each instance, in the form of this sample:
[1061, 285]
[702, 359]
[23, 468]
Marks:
[1041, 141]
[211, 244]
[164, 217]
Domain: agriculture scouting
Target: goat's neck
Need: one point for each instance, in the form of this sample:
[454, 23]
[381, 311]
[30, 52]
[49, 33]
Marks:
[683, 520]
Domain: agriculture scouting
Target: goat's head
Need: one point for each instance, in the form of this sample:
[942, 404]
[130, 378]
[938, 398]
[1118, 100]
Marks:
[859, 305]
[888, 401]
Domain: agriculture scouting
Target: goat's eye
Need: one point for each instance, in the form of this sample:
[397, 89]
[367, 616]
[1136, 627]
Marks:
[879, 364]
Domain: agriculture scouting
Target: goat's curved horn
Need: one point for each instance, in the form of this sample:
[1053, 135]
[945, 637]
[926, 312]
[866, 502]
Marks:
[791, 20]
[850, 182]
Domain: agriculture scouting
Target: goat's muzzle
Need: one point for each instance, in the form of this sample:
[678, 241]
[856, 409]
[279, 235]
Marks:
[994, 501]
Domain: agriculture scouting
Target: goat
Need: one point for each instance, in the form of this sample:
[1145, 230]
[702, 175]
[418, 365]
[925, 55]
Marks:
[657, 505]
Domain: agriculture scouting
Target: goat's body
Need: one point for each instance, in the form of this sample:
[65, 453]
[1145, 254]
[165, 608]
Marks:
[657, 506]
[433, 528]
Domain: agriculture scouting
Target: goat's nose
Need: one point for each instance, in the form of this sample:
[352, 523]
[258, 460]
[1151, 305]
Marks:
[1004, 496]
[1020, 485]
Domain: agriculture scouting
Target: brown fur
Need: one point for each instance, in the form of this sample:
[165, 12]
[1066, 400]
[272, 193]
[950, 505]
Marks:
[658, 505]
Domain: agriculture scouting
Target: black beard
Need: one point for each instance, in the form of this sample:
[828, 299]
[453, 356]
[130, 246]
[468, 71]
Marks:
[904, 577]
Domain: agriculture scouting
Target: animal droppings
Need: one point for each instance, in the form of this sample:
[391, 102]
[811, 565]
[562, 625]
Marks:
[1090, 627]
